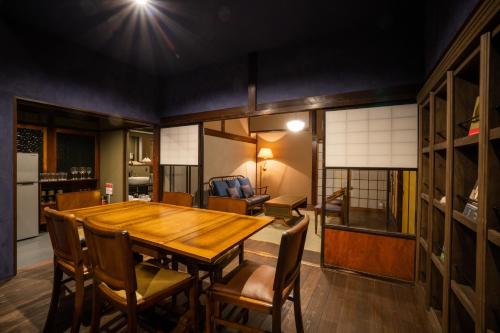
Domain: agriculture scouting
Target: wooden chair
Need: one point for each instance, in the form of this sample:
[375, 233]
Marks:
[69, 258]
[74, 200]
[262, 288]
[127, 286]
[334, 207]
[178, 199]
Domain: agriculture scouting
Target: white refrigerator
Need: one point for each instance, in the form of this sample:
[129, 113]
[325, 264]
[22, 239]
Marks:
[27, 195]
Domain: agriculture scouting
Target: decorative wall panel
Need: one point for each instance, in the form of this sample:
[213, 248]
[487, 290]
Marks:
[179, 145]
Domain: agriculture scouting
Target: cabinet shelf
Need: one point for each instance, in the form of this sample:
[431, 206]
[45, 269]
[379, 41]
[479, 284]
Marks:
[438, 205]
[440, 146]
[466, 141]
[459, 217]
[466, 296]
[423, 243]
[495, 133]
[494, 237]
[439, 265]
[69, 181]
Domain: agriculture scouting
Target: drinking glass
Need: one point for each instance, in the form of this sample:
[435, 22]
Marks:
[73, 171]
[89, 172]
[82, 172]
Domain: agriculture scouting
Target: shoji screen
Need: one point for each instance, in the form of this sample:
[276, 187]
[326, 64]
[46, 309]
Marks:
[379, 137]
[179, 145]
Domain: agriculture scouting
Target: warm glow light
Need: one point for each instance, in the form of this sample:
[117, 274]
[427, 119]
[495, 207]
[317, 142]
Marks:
[265, 153]
[141, 3]
[295, 125]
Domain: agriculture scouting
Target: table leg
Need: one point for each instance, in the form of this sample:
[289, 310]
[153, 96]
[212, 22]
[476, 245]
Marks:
[194, 270]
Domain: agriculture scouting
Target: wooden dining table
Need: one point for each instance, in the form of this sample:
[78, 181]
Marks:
[199, 235]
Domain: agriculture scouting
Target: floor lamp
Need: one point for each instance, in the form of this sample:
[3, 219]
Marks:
[265, 154]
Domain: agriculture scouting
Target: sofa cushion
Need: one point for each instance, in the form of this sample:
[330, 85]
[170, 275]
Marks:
[247, 191]
[233, 192]
[235, 183]
[220, 188]
[258, 199]
[246, 181]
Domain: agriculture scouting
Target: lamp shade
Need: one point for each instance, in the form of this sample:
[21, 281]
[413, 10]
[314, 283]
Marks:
[265, 153]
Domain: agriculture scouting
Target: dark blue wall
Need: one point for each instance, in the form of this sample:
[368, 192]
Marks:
[443, 20]
[299, 71]
[38, 68]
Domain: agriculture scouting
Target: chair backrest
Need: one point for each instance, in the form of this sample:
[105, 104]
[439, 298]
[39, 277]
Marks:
[290, 255]
[63, 232]
[111, 257]
[230, 205]
[178, 198]
[74, 200]
[337, 194]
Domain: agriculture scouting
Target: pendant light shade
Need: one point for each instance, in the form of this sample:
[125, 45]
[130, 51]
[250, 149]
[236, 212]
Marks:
[295, 125]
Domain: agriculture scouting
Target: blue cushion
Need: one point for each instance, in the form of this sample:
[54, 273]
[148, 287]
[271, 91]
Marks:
[246, 181]
[233, 192]
[235, 183]
[220, 188]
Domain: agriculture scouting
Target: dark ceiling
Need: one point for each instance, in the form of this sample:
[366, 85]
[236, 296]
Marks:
[171, 36]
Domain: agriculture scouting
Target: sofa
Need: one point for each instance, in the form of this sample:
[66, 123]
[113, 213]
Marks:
[240, 188]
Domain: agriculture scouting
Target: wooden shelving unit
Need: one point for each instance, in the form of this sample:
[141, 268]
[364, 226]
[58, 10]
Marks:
[458, 253]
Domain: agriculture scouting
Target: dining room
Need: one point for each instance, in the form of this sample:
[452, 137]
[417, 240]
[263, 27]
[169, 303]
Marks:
[215, 166]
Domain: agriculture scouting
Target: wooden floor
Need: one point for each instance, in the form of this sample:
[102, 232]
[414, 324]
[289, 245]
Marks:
[331, 301]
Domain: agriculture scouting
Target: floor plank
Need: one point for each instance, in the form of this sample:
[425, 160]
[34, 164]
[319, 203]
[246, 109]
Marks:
[332, 301]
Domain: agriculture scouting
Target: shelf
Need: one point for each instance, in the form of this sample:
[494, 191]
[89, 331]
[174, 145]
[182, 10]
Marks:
[494, 237]
[437, 316]
[69, 181]
[459, 217]
[439, 205]
[440, 146]
[439, 265]
[423, 243]
[495, 133]
[466, 296]
[466, 141]
[424, 196]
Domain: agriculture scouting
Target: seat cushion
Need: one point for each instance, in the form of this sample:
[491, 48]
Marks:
[220, 188]
[235, 183]
[152, 280]
[258, 199]
[246, 181]
[250, 280]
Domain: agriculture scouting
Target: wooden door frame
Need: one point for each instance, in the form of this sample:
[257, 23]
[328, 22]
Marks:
[17, 100]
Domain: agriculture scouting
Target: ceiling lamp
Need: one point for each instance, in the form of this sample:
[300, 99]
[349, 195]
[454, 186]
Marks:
[295, 125]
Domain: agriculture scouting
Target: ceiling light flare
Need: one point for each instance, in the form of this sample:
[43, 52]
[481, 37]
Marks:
[295, 125]
[141, 3]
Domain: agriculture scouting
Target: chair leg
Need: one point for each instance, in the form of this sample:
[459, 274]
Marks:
[77, 311]
[96, 310]
[241, 255]
[132, 320]
[315, 221]
[276, 320]
[299, 326]
[208, 314]
[193, 307]
[54, 301]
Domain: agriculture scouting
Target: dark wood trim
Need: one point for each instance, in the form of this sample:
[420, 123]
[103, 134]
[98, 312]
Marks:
[125, 164]
[77, 111]
[223, 125]
[398, 94]
[230, 136]
[314, 167]
[252, 83]
[201, 163]
[157, 181]
[14, 186]
[476, 24]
